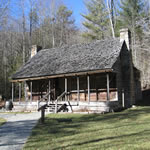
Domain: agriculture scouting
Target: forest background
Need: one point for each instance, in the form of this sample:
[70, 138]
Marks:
[51, 23]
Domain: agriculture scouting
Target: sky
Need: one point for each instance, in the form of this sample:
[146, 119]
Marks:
[77, 6]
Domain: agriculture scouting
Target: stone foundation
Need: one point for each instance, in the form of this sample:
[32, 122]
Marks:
[92, 107]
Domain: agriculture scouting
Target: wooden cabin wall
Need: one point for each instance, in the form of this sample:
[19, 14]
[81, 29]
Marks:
[117, 68]
[128, 79]
[39, 89]
[137, 86]
[127, 76]
[98, 88]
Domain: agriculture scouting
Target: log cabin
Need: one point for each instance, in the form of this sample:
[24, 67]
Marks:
[93, 77]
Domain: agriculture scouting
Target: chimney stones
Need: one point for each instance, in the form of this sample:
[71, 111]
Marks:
[35, 49]
[125, 35]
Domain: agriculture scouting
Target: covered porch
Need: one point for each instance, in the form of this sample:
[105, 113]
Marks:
[84, 92]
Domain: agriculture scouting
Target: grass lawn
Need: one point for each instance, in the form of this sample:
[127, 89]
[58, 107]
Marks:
[2, 121]
[127, 130]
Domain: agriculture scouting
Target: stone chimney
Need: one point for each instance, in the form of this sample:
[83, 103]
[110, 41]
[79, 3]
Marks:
[35, 49]
[125, 35]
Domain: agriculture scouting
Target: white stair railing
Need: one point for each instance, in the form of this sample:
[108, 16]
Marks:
[43, 98]
[56, 101]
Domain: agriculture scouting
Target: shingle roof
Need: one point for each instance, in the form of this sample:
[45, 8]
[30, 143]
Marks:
[71, 59]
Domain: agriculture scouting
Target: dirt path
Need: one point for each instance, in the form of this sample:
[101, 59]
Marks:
[14, 133]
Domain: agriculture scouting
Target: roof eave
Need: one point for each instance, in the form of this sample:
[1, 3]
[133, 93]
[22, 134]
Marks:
[63, 75]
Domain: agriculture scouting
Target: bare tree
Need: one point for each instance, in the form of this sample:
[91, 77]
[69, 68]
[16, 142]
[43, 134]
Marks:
[4, 4]
[110, 8]
[22, 2]
[34, 22]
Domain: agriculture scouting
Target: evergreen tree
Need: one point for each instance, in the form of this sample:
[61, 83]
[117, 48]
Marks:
[65, 25]
[96, 21]
[129, 15]
[130, 10]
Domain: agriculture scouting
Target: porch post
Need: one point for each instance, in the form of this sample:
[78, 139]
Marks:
[123, 104]
[108, 96]
[31, 91]
[78, 91]
[96, 94]
[88, 81]
[65, 89]
[19, 92]
[25, 91]
[49, 89]
[12, 91]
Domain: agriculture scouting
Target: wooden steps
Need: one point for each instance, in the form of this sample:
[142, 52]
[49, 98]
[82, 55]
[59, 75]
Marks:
[51, 107]
[60, 108]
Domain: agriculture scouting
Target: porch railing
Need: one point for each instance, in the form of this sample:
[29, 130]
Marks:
[56, 101]
[45, 97]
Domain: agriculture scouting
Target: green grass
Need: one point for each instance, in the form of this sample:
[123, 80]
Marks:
[2, 121]
[127, 130]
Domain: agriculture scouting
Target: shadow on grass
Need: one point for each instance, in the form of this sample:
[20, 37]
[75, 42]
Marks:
[61, 122]
[145, 132]
[67, 125]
